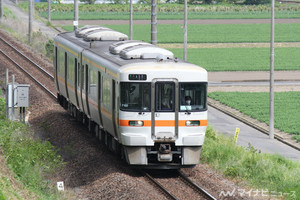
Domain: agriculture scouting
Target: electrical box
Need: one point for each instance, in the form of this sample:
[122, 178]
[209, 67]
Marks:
[22, 95]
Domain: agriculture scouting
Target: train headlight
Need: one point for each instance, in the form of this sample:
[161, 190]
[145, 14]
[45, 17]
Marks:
[136, 123]
[192, 123]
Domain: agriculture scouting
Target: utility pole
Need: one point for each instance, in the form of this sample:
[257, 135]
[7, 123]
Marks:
[185, 30]
[49, 11]
[30, 20]
[131, 21]
[271, 120]
[1, 10]
[75, 23]
[154, 22]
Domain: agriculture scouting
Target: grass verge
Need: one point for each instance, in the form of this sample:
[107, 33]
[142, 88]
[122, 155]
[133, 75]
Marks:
[273, 174]
[31, 160]
[256, 105]
[242, 59]
[212, 33]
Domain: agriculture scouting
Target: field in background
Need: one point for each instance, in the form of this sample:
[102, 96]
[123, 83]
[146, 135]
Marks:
[211, 33]
[164, 16]
[256, 105]
[166, 11]
[242, 59]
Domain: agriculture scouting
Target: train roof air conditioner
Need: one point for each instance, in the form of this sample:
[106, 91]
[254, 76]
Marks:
[104, 35]
[117, 47]
[145, 52]
[87, 28]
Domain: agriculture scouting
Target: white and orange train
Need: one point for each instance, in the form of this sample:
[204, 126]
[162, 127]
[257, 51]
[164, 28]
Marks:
[137, 98]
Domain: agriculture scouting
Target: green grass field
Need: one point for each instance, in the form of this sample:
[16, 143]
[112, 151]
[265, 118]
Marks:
[256, 105]
[212, 33]
[242, 59]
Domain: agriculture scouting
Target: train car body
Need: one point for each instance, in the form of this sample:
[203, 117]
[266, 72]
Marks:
[134, 96]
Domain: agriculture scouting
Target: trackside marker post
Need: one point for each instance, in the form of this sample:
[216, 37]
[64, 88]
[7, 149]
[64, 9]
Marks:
[237, 131]
[60, 186]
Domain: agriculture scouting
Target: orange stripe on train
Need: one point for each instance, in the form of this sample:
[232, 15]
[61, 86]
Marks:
[163, 123]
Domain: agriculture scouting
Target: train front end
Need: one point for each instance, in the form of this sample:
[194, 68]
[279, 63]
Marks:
[163, 113]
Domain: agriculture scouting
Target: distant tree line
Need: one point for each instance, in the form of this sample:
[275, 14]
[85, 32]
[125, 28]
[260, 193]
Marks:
[246, 2]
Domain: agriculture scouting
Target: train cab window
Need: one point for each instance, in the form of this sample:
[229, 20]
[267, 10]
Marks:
[165, 97]
[193, 96]
[135, 97]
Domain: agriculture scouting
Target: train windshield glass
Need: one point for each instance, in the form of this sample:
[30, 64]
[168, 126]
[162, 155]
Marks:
[135, 97]
[193, 96]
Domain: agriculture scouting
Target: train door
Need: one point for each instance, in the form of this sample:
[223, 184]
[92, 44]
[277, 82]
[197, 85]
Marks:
[80, 85]
[164, 109]
[56, 69]
[76, 81]
[87, 89]
[99, 98]
[114, 107]
[66, 74]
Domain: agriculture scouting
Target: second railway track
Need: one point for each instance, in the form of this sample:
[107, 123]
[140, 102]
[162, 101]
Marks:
[41, 76]
[185, 187]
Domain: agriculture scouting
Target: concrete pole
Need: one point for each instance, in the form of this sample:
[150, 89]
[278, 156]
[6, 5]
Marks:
[271, 122]
[185, 30]
[49, 11]
[154, 22]
[131, 21]
[1, 10]
[75, 14]
[30, 21]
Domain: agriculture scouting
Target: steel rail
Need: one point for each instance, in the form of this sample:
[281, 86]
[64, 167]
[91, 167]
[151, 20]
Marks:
[39, 67]
[200, 190]
[34, 79]
[160, 186]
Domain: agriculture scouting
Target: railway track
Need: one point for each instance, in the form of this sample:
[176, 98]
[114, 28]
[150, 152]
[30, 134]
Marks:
[37, 73]
[186, 189]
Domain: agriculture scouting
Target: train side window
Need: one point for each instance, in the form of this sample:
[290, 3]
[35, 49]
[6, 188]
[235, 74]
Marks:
[106, 91]
[79, 75]
[71, 68]
[92, 83]
[61, 62]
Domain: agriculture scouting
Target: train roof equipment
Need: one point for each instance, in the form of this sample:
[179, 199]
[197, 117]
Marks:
[117, 47]
[87, 28]
[104, 35]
